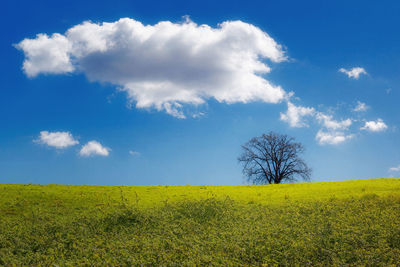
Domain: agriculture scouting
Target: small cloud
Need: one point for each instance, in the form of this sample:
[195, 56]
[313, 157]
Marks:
[94, 148]
[331, 124]
[332, 132]
[374, 126]
[134, 153]
[395, 169]
[335, 130]
[354, 72]
[332, 138]
[361, 107]
[58, 140]
[294, 115]
[198, 115]
[388, 91]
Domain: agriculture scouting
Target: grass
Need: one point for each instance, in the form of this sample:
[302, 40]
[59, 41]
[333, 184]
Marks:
[335, 223]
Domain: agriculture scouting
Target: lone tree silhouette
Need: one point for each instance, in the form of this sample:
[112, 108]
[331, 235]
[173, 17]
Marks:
[273, 158]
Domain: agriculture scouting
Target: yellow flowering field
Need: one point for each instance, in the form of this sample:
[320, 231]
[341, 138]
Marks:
[330, 223]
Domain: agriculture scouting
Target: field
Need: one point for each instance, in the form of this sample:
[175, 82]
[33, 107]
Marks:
[335, 223]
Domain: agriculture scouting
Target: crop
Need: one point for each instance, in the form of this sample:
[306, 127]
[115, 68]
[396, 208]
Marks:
[334, 223]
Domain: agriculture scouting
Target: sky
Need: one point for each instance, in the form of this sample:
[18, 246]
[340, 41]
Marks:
[166, 92]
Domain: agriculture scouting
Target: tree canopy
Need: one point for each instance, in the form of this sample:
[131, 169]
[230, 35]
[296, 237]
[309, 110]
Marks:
[272, 159]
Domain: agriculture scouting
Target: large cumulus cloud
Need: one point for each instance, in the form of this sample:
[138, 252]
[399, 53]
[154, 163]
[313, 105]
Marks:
[165, 65]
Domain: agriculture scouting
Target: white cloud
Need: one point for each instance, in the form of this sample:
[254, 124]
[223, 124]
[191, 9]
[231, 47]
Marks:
[134, 153]
[361, 107]
[395, 169]
[295, 114]
[354, 72]
[58, 140]
[331, 124]
[94, 148]
[332, 137]
[374, 126]
[333, 132]
[46, 54]
[165, 65]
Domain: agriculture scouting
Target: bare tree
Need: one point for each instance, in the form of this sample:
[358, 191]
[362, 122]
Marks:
[273, 158]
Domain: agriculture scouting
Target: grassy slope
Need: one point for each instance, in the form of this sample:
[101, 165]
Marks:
[352, 222]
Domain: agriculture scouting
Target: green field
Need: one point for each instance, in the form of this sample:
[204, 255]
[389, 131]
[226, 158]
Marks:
[335, 223]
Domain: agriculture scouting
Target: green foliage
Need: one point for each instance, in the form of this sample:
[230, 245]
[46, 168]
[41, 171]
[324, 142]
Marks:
[338, 223]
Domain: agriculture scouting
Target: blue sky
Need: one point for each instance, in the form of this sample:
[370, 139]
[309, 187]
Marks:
[99, 105]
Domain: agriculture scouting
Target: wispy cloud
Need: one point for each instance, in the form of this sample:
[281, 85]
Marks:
[134, 153]
[328, 122]
[332, 137]
[354, 72]
[295, 114]
[360, 107]
[331, 131]
[395, 169]
[335, 131]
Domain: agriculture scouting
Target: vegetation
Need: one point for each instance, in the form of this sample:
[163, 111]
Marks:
[335, 223]
[272, 159]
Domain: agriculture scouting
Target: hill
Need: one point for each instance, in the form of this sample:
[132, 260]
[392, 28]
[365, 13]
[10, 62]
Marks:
[333, 223]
